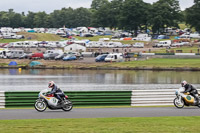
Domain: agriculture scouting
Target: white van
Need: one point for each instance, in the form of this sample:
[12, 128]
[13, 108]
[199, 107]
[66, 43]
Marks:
[166, 43]
[4, 53]
[15, 53]
[195, 35]
[115, 57]
[138, 45]
[142, 37]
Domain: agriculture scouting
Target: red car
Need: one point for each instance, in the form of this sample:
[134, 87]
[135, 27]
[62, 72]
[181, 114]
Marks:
[37, 56]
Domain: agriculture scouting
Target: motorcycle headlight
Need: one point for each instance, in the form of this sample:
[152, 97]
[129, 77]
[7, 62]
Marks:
[176, 92]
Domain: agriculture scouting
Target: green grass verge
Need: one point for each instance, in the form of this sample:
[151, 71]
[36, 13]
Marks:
[104, 125]
[11, 40]
[185, 49]
[161, 63]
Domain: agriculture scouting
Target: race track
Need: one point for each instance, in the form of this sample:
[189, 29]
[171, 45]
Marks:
[6, 114]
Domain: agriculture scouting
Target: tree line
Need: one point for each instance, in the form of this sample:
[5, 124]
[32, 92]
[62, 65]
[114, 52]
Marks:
[130, 15]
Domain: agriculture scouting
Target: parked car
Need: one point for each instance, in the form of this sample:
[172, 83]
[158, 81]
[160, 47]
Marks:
[163, 37]
[138, 45]
[37, 56]
[25, 56]
[69, 57]
[60, 56]
[166, 43]
[176, 44]
[50, 56]
[115, 57]
[101, 58]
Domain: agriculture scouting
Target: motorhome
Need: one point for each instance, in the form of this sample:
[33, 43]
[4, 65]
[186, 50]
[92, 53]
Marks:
[114, 57]
[95, 44]
[114, 44]
[12, 36]
[4, 53]
[15, 45]
[138, 45]
[195, 35]
[15, 53]
[166, 43]
[142, 37]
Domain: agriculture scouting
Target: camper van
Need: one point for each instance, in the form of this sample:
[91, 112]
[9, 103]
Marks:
[4, 53]
[15, 53]
[115, 57]
[142, 37]
[166, 43]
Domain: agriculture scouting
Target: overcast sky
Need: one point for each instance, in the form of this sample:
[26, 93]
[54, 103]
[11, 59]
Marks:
[50, 5]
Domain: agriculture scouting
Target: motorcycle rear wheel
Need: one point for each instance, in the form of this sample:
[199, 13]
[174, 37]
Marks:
[67, 105]
[178, 103]
[40, 106]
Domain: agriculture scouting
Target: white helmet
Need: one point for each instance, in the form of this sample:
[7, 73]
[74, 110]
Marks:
[183, 83]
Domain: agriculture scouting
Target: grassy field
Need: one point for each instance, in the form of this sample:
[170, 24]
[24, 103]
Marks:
[34, 36]
[160, 63]
[185, 49]
[104, 125]
[154, 63]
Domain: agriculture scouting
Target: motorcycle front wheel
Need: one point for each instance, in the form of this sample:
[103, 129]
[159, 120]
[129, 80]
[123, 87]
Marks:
[67, 105]
[178, 103]
[40, 105]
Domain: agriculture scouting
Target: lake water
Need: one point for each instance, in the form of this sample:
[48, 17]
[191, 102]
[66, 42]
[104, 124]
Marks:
[94, 80]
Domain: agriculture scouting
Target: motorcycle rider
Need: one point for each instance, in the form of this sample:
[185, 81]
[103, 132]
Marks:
[58, 93]
[191, 89]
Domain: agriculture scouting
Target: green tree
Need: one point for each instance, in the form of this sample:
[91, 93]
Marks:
[82, 17]
[40, 19]
[165, 13]
[29, 20]
[101, 16]
[4, 19]
[96, 4]
[114, 13]
[132, 15]
[193, 15]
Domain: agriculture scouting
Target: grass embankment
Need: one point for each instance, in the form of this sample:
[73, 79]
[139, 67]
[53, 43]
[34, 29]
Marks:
[104, 125]
[154, 64]
[160, 63]
[34, 36]
[185, 49]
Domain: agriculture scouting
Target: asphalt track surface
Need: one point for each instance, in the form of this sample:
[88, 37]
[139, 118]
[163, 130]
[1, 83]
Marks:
[10, 114]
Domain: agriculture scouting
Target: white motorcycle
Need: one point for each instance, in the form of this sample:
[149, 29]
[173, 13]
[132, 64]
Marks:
[184, 99]
[48, 100]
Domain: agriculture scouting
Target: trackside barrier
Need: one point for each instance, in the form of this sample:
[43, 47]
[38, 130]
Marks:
[78, 98]
[2, 99]
[147, 54]
[152, 97]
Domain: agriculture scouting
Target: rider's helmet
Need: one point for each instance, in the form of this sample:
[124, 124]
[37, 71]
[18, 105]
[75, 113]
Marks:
[183, 83]
[51, 84]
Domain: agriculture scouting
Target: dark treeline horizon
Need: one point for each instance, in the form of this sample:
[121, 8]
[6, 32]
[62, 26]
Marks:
[129, 15]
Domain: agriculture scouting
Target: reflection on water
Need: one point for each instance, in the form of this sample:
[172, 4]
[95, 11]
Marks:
[29, 80]
[12, 71]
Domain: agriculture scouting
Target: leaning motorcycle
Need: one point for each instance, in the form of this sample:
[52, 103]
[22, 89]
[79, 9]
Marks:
[184, 99]
[48, 100]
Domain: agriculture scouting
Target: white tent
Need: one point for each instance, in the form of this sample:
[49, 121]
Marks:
[74, 48]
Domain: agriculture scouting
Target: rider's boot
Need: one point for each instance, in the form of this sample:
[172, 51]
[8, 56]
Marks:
[197, 101]
[60, 102]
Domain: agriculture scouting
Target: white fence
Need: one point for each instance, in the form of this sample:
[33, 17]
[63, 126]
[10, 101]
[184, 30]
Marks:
[153, 97]
[2, 99]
